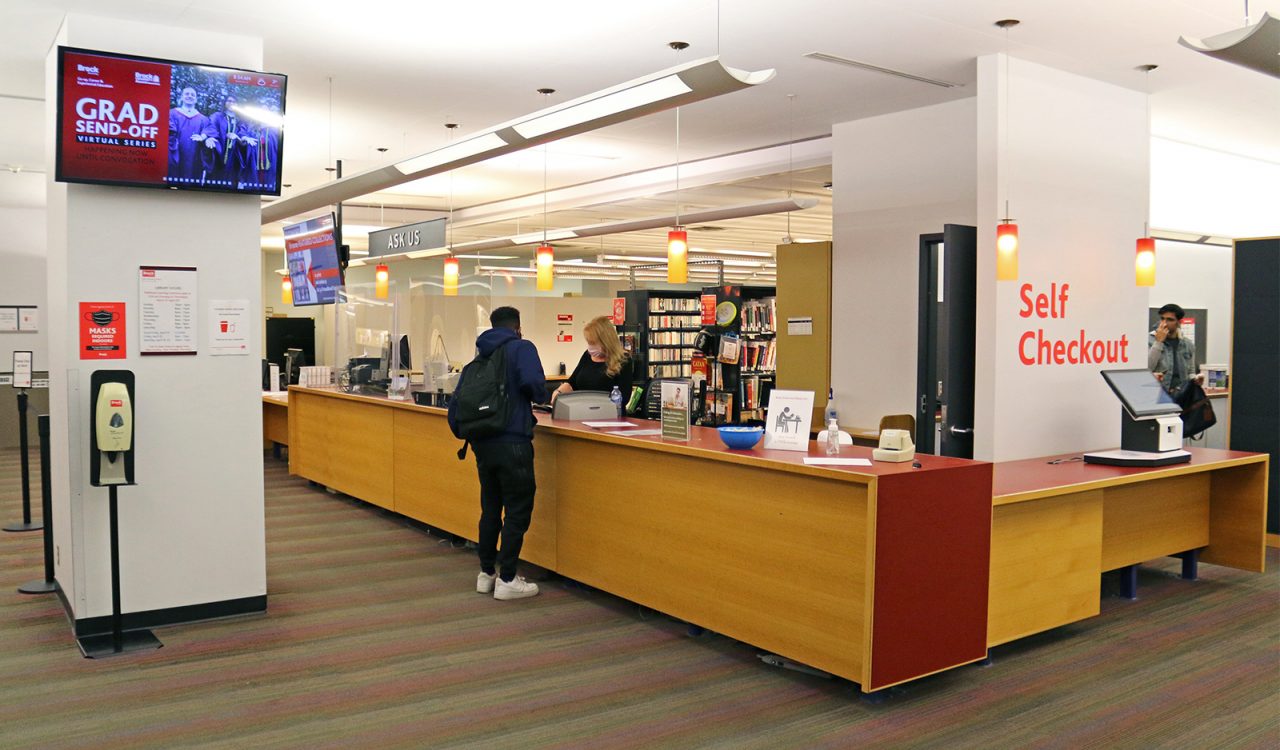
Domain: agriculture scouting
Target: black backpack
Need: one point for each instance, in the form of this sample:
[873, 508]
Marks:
[481, 406]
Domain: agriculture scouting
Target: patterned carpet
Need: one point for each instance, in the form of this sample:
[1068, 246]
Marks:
[374, 638]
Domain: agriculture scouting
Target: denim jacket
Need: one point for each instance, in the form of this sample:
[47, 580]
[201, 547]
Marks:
[1160, 358]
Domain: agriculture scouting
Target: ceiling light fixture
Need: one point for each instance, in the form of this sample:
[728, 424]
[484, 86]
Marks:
[1007, 231]
[678, 238]
[286, 291]
[1144, 261]
[546, 254]
[381, 279]
[450, 263]
[674, 87]
[1254, 47]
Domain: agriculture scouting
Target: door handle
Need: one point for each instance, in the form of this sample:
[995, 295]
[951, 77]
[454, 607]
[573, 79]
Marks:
[960, 431]
[922, 407]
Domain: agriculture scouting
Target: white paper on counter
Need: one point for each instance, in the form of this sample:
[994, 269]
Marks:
[835, 461]
[635, 433]
[607, 424]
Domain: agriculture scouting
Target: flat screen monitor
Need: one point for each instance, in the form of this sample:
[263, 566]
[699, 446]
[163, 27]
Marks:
[311, 253]
[149, 122]
[1140, 392]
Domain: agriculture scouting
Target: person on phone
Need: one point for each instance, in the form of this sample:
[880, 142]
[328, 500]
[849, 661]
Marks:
[1171, 356]
[603, 365]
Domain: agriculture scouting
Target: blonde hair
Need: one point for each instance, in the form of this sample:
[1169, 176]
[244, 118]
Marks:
[602, 330]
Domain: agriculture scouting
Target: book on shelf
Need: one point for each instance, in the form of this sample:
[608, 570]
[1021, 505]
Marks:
[673, 304]
[672, 338]
[760, 355]
[678, 320]
[673, 370]
[760, 315]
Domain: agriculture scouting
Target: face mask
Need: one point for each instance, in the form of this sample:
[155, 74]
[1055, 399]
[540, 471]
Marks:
[596, 352]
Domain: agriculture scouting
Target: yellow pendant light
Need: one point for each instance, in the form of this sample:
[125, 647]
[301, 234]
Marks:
[286, 291]
[451, 276]
[546, 255]
[381, 277]
[1144, 261]
[1007, 231]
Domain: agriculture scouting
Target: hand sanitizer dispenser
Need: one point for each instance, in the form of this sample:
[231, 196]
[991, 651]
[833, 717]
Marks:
[111, 435]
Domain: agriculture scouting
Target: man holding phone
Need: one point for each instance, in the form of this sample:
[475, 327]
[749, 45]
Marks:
[1171, 356]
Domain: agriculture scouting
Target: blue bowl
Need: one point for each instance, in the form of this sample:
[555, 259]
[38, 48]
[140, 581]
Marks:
[740, 438]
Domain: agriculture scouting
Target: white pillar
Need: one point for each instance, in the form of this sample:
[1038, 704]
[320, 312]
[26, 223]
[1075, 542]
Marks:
[192, 530]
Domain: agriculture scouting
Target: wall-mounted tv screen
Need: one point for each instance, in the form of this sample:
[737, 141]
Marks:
[311, 252]
[146, 122]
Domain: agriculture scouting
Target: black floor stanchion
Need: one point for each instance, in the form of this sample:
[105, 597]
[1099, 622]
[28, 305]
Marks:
[117, 641]
[48, 585]
[26, 524]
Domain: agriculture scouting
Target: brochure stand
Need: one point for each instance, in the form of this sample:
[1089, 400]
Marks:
[48, 585]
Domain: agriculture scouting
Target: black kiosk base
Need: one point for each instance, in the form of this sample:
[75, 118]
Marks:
[108, 644]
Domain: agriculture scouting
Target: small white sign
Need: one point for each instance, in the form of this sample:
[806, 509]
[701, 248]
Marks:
[28, 319]
[799, 326]
[607, 424]
[8, 318]
[787, 420]
[22, 369]
[833, 461]
[6, 379]
[229, 327]
[40, 383]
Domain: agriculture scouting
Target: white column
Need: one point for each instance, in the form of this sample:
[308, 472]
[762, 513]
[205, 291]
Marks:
[192, 530]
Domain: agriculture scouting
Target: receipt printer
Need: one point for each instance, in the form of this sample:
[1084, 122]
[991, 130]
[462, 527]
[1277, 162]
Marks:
[111, 409]
[583, 405]
[1152, 434]
[895, 445]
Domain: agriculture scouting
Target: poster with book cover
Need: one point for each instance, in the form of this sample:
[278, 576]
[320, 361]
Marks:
[675, 409]
[787, 420]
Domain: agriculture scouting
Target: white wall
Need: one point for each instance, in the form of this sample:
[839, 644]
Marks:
[1203, 191]
[1074, 164]
[1197, 276]
[192, 530]
[896, 177]
[22, 260]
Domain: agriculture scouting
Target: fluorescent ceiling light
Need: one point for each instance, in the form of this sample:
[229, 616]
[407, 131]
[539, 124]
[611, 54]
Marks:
[674, 87]
[486, 257]
[1256, 47]
[429, 253]
[454, 152]
[551, 235]
[747, 253]
[605, 106]
[655, 259]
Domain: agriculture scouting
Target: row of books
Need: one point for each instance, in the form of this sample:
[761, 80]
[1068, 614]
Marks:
[760, 355]
[668, 357]
[672, 338]
[755, 390]
[760, 315]
[673, 321]
[669, 371]
[667, 304]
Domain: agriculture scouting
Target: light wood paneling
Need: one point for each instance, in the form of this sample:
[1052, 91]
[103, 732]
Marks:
[1141, 522]
[342, 444]
[1045, 564]
[1238, 517]
[275, 423]
[783, 568]
[804, 291]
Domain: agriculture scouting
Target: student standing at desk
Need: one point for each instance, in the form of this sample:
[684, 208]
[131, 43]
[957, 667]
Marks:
[603, 365]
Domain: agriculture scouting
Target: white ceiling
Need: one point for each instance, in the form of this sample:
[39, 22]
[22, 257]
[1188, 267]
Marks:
[401, 69]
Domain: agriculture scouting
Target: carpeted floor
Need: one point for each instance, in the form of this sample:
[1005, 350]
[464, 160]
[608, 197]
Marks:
[375, 638]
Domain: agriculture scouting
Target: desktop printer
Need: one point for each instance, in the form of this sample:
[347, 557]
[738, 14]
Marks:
[578, 406]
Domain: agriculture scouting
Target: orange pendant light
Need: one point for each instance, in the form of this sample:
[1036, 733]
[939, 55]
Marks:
[677, 256]
[286, 291]
[451, 277]
[546, 268]
[1144, 264]
[381, 275]
[1007, 251]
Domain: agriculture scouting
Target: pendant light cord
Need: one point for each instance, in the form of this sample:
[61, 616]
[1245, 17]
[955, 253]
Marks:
[677, 166]
[791, 145]
[1008, 165]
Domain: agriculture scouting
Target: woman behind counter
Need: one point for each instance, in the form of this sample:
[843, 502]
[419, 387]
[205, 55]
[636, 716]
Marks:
[603, 365]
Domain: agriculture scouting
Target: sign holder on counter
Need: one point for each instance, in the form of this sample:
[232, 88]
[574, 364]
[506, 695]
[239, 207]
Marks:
[48, 585]
[21, 382]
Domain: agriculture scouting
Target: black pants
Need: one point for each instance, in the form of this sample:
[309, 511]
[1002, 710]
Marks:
[506, 483]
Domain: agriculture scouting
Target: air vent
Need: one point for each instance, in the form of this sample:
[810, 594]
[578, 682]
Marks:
[836, 59]
[707, 228]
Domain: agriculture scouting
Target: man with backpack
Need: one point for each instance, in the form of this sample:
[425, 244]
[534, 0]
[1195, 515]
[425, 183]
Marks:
[492, 410]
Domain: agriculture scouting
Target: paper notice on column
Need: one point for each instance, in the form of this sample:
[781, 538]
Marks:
[167, 314]
[229, 327]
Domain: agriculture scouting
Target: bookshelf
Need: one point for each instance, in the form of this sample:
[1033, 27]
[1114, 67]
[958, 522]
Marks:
[738, 391]
[659, 331]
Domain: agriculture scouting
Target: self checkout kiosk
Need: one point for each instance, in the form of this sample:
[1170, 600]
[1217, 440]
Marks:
[1150, 423]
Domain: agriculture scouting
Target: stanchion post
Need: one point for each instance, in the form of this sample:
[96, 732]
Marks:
[26, 524]
[48, 585]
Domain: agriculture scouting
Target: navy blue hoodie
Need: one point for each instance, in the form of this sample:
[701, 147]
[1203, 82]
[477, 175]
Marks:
[526, 383]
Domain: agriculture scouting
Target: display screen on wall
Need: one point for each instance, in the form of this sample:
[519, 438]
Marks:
[311, 252]
[146, 122]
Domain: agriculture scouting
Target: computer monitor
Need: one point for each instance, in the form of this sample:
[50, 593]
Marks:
[294, 360]
[1140, 393]
[406, 362]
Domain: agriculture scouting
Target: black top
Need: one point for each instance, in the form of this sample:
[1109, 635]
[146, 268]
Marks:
[590, 376]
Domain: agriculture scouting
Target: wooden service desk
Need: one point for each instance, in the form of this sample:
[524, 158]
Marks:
[1057, 527]
[877, 574]
[275, 420]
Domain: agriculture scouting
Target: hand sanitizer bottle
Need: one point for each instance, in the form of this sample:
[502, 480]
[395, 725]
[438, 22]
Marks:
[833, 425]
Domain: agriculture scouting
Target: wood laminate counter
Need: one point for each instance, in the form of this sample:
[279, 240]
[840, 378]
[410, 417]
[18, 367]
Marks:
[878, 574]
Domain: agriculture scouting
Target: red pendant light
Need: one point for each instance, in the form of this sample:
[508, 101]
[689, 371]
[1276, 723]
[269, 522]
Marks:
[381, 279]
[451, 276]
[546, 268]
[1144, 263]
[1007, 251]
[677, 256]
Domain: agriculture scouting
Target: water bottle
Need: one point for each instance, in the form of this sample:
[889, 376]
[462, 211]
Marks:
[833, 425]
[616, 397]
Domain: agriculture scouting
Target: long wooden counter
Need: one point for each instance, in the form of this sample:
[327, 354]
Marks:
[878, 574]
[1056, 527]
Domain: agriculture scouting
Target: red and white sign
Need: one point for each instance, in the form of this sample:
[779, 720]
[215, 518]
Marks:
[116, 403]
[564, 338]
[115, 115]
[102, 327]
[563, 318]
[619, 311]
[708, 309]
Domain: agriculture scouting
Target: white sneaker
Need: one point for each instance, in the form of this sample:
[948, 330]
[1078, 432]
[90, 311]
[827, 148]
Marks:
[484, 582]
[518, 588]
